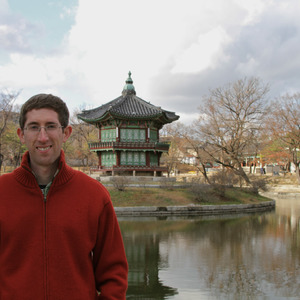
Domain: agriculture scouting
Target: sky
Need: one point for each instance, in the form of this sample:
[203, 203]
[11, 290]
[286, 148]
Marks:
[177, 51]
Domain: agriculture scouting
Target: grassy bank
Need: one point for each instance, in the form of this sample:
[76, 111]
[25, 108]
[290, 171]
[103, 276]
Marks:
[174, 197]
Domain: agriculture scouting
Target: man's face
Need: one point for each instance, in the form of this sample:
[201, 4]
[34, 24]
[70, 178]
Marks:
[44, 146]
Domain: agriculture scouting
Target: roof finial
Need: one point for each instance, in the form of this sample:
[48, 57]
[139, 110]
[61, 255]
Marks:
[129, 80]
[129, 88]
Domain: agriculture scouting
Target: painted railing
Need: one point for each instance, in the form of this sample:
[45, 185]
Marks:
[98, 146]
[131, 168]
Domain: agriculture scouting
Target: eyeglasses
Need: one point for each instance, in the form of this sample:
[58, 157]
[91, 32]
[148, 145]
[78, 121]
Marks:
[48, 128]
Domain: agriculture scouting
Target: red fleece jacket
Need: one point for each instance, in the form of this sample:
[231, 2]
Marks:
[66, 246]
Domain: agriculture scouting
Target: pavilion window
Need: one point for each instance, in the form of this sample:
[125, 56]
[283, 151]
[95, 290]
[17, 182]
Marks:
[108, 159]
[129, 158]
[108, 135]
[153, 160]
[133, 158]
[133, 135]
[153, 135]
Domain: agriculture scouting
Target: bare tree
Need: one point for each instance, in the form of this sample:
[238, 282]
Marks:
[172, 158]
[7, 100]
[77, 147]
[229, 122]
[12, 147]
[284, 125]
[192, 147]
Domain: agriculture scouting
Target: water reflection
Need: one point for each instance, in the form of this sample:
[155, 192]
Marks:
[144, 258]
[241, 257]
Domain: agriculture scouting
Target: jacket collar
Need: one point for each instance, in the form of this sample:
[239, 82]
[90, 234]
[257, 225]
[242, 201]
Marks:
[24, 174]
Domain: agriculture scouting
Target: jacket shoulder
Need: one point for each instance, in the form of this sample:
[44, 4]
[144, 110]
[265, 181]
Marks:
[5, 178]
[88, 182]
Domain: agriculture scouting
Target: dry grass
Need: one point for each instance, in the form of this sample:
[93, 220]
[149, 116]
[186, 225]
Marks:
[150, 197]
[175, 197]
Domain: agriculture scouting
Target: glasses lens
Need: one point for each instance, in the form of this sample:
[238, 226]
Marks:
[33, 128]
[49, 128]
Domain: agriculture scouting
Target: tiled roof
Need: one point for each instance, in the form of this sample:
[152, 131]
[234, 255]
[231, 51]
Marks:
[128, 106]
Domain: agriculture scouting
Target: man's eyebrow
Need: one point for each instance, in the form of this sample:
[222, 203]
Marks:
[37, 123]
[51, 123]
[32, 123]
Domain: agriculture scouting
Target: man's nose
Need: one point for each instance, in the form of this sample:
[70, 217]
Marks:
[43, 135]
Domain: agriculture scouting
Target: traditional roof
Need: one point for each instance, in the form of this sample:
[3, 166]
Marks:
[128, 106]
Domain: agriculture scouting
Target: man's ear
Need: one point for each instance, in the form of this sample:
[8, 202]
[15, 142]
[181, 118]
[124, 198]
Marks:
[67, 133]
[20, 133]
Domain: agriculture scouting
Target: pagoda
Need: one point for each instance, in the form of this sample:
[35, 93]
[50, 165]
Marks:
[129, 134]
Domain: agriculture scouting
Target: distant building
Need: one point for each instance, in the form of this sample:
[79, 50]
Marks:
[129, 134]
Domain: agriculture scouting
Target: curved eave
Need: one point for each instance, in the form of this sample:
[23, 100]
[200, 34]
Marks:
[90, 121]
[161, 117]
[104, 117]
[171, 116]
[95, 115]
[169, 119]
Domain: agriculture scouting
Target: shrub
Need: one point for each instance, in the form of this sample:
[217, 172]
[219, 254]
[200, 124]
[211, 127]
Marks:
[120, 182]
[167, 184]
[204, 193]
[258, 184]
[225, 177]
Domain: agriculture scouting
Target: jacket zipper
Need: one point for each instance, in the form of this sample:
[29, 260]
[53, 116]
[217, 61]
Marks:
[45, 193]
[45, 245]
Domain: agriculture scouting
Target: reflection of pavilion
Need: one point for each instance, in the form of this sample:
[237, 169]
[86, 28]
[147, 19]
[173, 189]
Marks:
[143, 258]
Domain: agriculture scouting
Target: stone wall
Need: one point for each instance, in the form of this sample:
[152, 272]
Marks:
[199, 210]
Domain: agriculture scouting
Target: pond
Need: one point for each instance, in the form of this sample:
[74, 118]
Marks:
[254, 256]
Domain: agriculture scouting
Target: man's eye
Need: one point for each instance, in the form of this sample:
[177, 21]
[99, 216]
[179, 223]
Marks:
[51, 127]
[34, 127]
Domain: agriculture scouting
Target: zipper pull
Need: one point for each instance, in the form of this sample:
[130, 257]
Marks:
[44, 194]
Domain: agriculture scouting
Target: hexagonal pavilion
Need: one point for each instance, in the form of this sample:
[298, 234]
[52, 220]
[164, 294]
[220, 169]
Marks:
[129, 134]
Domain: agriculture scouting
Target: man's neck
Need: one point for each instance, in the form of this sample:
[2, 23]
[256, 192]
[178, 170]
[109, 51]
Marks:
[44, 174]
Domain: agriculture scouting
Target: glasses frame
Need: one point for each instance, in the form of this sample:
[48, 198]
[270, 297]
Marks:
[47, 128]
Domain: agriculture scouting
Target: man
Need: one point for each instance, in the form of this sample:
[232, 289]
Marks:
[59, 235]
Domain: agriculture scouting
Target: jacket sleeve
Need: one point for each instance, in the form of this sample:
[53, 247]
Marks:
[109, 259]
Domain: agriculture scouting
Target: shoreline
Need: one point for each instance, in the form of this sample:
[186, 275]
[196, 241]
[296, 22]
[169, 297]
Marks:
[211, 210]
[193, 210]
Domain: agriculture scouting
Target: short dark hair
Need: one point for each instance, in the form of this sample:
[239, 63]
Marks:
[45, 101]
